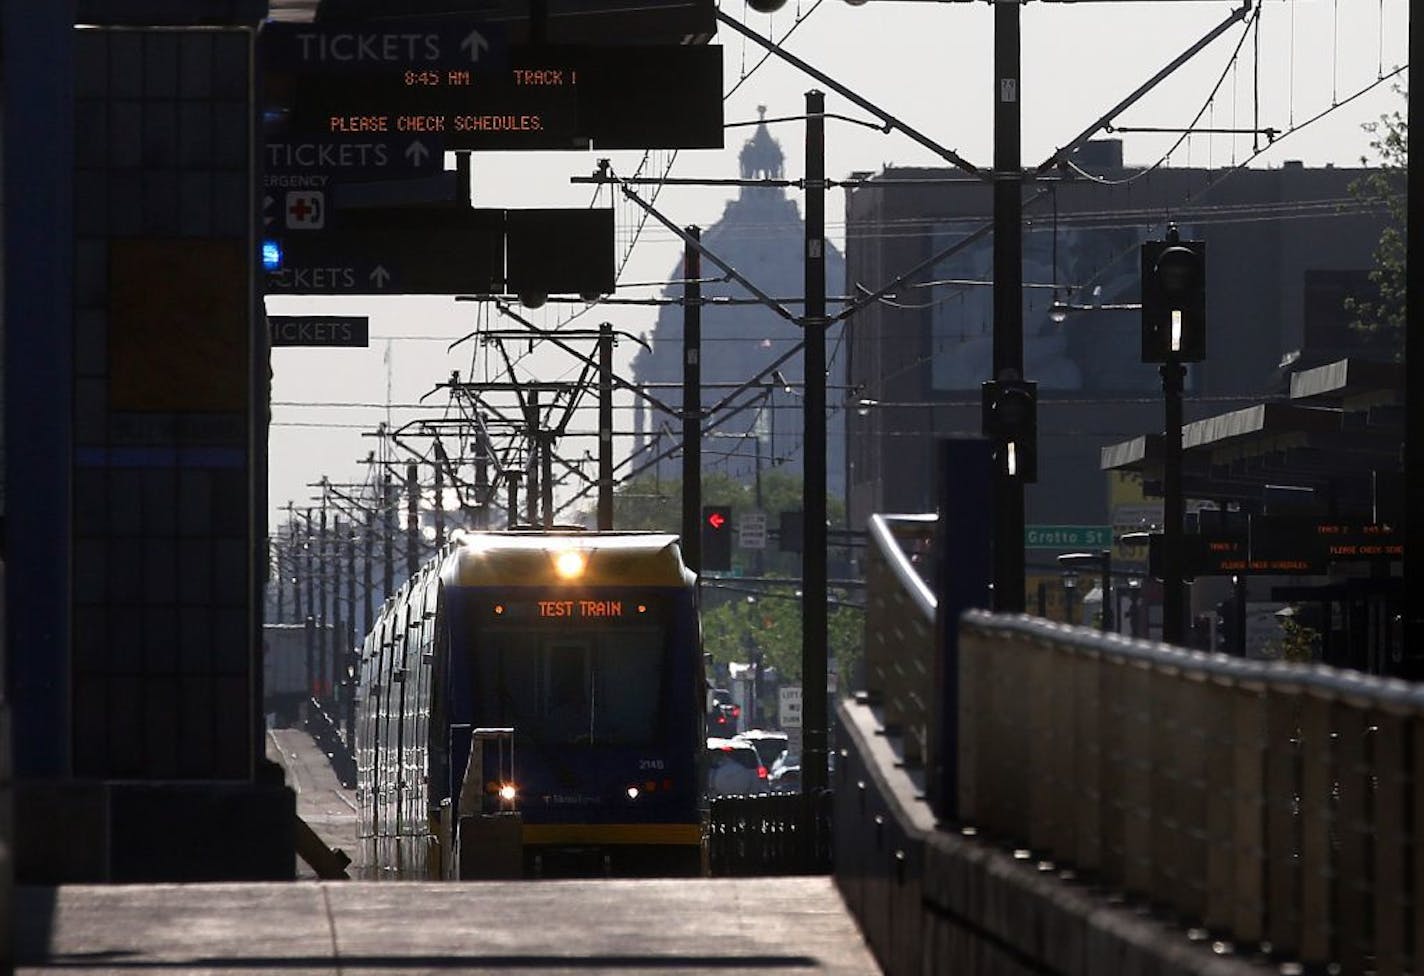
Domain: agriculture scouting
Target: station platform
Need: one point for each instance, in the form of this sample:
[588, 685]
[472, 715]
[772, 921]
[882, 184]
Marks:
[724, 925]
[671, 925]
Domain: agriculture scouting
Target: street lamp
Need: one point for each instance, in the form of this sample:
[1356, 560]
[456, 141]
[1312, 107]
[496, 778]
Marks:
[1070, 586]
[1103, 560]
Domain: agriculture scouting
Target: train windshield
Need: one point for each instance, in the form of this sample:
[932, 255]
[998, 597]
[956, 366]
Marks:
[596, 685]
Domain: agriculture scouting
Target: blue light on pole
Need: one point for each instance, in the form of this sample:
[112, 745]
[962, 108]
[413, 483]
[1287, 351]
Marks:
[271, 255]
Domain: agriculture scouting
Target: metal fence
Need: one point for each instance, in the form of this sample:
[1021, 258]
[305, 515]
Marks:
[1274, 807]
[770, 833]
[899, 628]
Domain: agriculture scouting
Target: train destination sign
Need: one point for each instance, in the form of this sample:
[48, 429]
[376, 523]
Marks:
[423, 78]
[349, 331]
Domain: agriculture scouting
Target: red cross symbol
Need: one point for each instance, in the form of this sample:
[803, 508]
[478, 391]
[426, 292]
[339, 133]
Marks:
[305, 210]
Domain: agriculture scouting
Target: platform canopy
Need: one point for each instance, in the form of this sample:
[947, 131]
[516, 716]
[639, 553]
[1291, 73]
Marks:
[1334, 443]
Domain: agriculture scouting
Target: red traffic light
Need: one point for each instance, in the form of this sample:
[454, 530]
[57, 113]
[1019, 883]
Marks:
[716, 520]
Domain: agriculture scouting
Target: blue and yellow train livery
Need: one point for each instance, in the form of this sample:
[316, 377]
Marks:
[570, 664]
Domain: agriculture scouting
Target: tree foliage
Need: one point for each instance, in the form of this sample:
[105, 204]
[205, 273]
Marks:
[737, 623]
[1385, 187]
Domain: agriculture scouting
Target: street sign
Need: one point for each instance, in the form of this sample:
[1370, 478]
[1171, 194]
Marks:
[751, 530]
[789, 706]
[319, 330]
[1068, 536]
[453, 79]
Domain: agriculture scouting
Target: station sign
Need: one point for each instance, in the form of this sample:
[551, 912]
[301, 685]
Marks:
[395, 251]
[315, 161]
[434, 78]
[345, 331]
[1320, 541]
[460, 44]
[1276, 545]
[444, 250]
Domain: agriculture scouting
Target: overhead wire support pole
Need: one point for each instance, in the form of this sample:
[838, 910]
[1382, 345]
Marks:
[695, 242]
[813, 551]
[1008, 514]
[890, 121]
[605, 427]
[692, 400]
[1106, 118]
[1413, 665]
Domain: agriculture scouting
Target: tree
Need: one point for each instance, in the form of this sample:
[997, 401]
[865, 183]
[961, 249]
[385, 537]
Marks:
[1385, 186]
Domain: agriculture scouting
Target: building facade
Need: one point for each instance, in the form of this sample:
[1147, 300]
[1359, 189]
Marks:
[761, 234]
[1285, 246]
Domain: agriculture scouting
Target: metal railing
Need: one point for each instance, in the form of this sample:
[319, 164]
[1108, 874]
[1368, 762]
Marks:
[770, 834]
[899, 628]
[1277, 807]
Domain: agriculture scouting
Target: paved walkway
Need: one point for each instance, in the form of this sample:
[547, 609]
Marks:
[731, 925]
[742, 925]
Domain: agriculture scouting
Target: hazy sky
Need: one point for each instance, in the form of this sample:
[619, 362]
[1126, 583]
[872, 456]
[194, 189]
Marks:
[930, 64]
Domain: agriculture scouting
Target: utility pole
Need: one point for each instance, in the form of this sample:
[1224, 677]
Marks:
[1413, 664]
[412, 518]
[337, 657]
[294, 564]
[439, 492]
[692, 402]
[1008, 506]
[310, 619]
[512, 514]
[388, 533]
[351, 587]
[546, 483]
[605, 427]
[368, 543]
[531, 420]
[323, 556]
[814, 715]
[482, 485]
[1173, 505]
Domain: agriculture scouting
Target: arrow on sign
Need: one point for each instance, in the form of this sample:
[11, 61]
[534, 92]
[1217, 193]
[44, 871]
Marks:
[416, 153]
[716, 520]
[380, 276]
[475, 43]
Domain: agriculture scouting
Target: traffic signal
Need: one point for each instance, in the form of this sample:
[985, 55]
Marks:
[716, 538]
[1173, 300]
[1010, 412]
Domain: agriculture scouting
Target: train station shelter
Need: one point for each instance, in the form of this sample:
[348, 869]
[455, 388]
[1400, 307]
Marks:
[1293, 483]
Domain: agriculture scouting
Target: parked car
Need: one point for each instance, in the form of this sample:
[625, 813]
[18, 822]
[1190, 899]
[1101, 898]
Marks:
[723, 715]
[733, 767]
[785, 774]
[769, 745]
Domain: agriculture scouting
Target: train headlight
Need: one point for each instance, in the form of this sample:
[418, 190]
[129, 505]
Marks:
[632, 792]
[570, 564]
[507, 792]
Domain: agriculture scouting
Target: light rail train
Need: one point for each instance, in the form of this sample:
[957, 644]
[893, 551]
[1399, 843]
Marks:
[569, 666]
